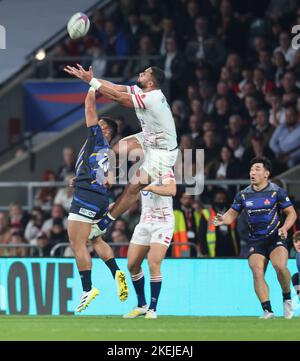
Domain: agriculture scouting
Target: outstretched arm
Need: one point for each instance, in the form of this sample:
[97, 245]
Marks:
[91, 116]
[226, 218]
[107, 90]
[117, 87]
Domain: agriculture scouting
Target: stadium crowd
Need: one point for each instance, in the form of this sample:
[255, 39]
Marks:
[233, 82]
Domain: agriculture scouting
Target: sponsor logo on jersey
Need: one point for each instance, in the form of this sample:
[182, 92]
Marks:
[143, 96]
[267, 202]
[249, 203]
[251, 249]
[287, 199]
[87, 212]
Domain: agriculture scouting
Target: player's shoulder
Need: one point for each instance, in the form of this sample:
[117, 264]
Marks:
[246, 190]
[273, 187]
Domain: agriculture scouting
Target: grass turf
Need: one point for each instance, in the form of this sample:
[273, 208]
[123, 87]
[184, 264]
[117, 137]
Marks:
[165, 328]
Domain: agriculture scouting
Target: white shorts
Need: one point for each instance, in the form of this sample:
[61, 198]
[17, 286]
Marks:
[79, 218]
[157, 162]
[147, 233]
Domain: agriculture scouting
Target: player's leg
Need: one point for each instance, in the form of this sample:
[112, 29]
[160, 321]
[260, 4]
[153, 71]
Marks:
[105, 252]
[258, 265]
[126, 200]
[155, 257]
[136, 254]
[78, 233]
[279, 257]
[128, 144]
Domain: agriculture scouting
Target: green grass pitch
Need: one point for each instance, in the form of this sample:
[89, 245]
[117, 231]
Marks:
[165, 328]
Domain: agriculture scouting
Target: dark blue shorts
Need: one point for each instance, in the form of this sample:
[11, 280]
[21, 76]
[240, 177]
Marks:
[90, 205]
[266, 247]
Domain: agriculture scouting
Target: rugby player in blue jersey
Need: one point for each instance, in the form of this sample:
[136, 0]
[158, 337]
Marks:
[90, 202]
[263, 202]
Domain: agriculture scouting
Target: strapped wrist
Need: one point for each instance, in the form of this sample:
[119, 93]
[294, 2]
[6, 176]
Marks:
[94, 83]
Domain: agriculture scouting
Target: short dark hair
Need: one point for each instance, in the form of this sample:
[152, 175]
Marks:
[264, 160]
[158, 76]
[112, 125]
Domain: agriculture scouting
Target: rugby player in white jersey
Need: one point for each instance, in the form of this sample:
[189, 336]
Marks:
[157, 139]
[151, 236]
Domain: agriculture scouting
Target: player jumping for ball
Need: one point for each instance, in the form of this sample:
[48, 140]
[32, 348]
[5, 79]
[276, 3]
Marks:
[90, 202]
[157, 139]
[263, 201]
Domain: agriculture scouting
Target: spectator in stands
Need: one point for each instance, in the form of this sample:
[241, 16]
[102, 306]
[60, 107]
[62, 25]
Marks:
[5, 232]
[285, 47]
[114, 40]
[99, 61]
[226, 167]
[211, 150]
[220, 241]
[237, 129]
[134, 30]
[277, 111]
[17, 218]
[68, 166]
[256, 149]
[168, 31]
[186, 228]
[145, 50]
[43, 242]
[280, 67]
[285, 141]
[64, 195]
[205, 46]
[262, 126]
[57, 212]
[195, 126]
[34, 225]
[58, 233]
[16, 239]
[44, 197]
[174, 66]
[119, 237]
[234, 143]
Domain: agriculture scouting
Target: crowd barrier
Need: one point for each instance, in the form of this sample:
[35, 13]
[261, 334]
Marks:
[191, 287]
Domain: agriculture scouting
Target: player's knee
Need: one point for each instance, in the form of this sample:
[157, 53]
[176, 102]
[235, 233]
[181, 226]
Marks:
[154, 264]
[258, 271]
[133, 268]
[279, 267]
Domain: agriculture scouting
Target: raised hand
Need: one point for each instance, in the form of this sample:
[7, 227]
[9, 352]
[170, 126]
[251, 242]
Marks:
[85, 75]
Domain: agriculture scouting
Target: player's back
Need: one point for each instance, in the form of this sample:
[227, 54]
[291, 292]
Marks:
[93, 162]
[155, 116]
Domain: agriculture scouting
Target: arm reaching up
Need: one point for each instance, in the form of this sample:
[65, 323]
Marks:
[105, 88]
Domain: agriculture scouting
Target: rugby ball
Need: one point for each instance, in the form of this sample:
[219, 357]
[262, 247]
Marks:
[78, 25]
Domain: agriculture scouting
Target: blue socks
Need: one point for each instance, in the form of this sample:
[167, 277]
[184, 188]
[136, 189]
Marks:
[139, 283]
[155, 285]
[112, 265]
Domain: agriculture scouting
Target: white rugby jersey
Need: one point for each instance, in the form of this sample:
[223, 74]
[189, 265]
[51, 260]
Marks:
[156, 208]
[155, 116]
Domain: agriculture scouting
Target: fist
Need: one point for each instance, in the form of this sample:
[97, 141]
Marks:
[282, 232]
[218, 220]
